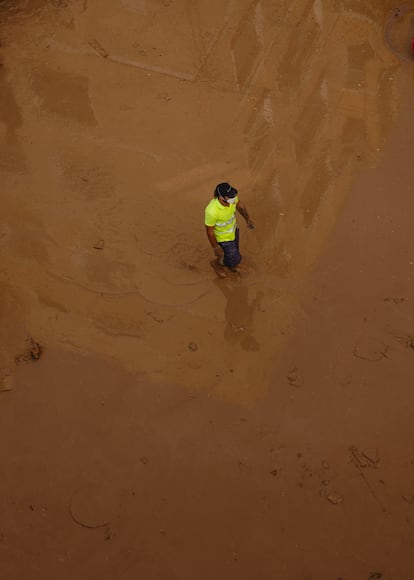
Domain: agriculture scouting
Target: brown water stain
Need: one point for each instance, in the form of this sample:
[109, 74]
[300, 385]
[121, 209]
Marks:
[64, 94]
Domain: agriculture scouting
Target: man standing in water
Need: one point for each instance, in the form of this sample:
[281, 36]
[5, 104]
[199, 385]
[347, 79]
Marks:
[221, 227]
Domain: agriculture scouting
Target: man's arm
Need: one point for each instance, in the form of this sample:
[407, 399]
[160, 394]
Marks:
[241, 208]
[218, 251]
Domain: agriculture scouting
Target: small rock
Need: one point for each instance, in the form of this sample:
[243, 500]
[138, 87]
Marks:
[192, 346]
[408, 498]
[164, 97]
[274, 472]
[335, 498]
[375, 575]
[99, 245]
[144, 460]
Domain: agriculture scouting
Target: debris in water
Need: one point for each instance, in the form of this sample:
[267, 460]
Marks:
[32, 352]
[335, 498]
[98, 48]
[294, 379]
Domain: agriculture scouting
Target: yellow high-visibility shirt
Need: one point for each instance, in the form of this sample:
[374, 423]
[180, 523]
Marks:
[223, 218]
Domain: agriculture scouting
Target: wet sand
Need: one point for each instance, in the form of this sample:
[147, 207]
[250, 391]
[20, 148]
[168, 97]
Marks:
[177, 425]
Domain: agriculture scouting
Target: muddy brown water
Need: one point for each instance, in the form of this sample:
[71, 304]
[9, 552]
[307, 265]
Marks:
[177, 425]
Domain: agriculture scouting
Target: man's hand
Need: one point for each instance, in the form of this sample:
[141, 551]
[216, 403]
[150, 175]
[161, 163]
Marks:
[241, 208]
[218, 251]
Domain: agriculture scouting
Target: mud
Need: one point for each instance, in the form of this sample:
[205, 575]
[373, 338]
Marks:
[176, 424]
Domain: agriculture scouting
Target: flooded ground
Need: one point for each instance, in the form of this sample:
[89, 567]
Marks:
[177, 425]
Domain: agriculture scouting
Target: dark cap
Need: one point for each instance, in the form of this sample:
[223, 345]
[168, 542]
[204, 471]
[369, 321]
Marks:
[225, 190]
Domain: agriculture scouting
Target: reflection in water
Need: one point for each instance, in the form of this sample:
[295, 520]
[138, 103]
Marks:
[318, 97]
[239, 312]
[290, 98]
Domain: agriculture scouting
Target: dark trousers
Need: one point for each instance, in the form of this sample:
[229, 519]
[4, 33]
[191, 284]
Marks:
[232, 255]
